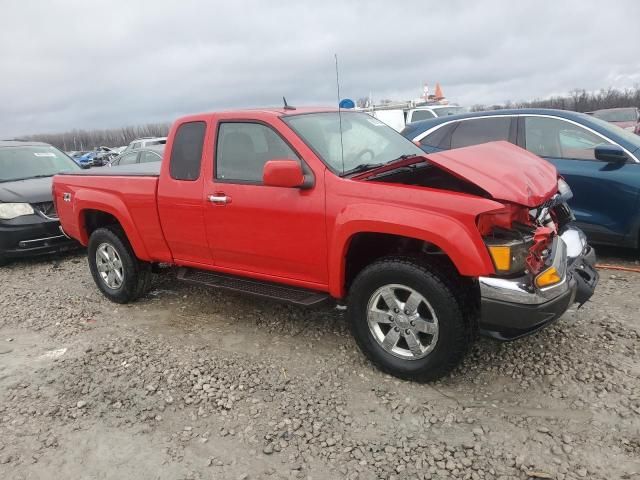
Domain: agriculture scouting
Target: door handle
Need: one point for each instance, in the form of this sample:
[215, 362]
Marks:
[219, 199]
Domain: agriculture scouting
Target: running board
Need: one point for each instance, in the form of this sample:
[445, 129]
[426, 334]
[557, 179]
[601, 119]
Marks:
[297, 296]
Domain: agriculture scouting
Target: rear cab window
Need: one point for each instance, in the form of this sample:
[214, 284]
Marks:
[186, 153]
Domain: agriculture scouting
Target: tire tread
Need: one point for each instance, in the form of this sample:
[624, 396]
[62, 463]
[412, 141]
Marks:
[453, 294]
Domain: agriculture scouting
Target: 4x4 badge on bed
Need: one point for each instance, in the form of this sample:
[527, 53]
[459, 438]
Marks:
[66, 197]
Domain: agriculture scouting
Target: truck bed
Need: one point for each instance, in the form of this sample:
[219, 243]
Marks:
[128, 193]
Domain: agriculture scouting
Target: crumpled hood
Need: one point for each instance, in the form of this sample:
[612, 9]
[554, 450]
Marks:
[503, 170]
[34, 190]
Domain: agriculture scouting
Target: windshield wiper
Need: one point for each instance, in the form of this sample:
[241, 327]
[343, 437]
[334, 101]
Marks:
[361, 168]
[369, 166]
[401, 157]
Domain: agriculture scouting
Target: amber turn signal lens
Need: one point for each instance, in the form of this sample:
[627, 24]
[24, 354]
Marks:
[549, 277]
[501, 256]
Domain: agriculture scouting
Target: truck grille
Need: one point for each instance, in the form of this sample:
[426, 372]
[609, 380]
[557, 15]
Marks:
[46, 209]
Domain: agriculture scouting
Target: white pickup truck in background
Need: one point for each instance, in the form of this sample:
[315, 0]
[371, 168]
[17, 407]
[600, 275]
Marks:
[398, 115]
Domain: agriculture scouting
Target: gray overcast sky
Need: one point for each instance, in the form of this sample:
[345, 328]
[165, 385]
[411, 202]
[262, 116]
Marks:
[100, 64]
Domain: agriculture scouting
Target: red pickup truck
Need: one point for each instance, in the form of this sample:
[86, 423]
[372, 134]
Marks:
[308, 205]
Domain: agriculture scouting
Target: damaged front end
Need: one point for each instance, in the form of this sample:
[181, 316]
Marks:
[542, 266]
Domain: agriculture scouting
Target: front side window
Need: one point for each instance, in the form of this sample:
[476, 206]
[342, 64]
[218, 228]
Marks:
[556, 138]
[147, 156]
[24, 162]
[243, 148]
[128, 158]
[365, 140]
[482, 130]
[186, 154]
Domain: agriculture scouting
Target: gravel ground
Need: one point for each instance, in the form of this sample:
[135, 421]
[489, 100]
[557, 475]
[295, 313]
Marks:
[190, 383]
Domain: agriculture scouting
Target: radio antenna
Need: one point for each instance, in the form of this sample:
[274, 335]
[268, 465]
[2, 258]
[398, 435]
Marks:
[339, 112]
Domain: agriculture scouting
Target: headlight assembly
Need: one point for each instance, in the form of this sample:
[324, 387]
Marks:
[509, 256]
[13, 210]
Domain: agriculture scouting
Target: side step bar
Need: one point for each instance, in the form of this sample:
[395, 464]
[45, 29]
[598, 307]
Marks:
[297, 296]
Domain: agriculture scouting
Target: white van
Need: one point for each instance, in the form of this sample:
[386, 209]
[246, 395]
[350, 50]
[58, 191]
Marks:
[398, 117]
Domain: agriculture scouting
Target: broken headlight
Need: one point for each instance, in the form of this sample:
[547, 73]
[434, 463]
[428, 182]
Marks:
[508, 256]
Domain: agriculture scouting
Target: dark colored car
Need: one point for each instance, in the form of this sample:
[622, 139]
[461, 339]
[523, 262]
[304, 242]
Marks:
[29, 224]
[142, 155]
[627, 118]
[599, 161]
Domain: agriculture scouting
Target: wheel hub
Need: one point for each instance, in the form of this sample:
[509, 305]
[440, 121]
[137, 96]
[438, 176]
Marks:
[109, 266]
[402, 321]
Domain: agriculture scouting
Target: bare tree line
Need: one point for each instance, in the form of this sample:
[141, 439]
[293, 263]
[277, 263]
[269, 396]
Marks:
[578, 100]
[80, 140]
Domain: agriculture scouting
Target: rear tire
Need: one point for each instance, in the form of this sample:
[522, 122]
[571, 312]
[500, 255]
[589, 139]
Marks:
[422, 345]
[117, 272]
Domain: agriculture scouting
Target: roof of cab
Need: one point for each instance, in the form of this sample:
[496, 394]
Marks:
[256, 113]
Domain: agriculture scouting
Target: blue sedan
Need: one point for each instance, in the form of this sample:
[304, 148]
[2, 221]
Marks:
[599, 161]
[86, 159]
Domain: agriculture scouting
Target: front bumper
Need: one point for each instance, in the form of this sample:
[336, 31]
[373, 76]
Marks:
[32, 235]
[513, 308]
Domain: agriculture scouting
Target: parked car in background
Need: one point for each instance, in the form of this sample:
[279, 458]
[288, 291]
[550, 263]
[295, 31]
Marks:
[307, 205]
[85, 159]
[145, 142]
[29, 223]
[627, 118]
[104, 155]
[142, 155]
[397, 116]
[599, 161]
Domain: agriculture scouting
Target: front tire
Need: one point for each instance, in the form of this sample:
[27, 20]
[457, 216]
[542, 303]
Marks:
[407, 320]
[117, 272]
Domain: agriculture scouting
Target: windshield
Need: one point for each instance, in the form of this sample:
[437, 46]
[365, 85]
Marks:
[446, 111]
[20, 163]
[366, 141]
[621, 115]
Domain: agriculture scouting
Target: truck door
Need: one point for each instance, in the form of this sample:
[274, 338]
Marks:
[276, 232]
[180, 204]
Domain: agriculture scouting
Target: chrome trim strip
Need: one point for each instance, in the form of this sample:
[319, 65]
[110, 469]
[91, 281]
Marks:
[44, 239]
[511, 115]
[44, 215]
[64, 233]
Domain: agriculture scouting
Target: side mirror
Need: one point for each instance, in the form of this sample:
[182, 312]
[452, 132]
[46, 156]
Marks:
[610, 153]
[283, 173]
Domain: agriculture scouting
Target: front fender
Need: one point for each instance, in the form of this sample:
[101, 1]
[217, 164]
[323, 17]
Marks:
[458, 238]
[112, 204]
